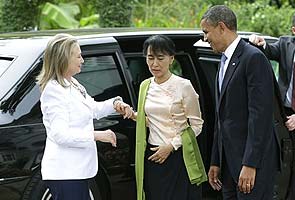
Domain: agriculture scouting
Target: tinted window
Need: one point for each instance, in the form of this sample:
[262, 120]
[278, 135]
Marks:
[22, 136]
[182, 66]
[275, 67]
[101, 78]
[22, 105]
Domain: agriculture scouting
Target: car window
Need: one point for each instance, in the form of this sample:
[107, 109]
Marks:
[22, 105]
[182, 66]
[101, 78]
[275, 67]
[176, 68]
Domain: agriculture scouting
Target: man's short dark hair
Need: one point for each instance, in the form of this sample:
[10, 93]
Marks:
[221, 13]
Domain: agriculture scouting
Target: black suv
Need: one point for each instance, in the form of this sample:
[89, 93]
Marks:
[114, 65]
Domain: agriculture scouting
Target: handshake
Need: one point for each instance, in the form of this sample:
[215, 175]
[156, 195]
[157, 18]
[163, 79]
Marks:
[124, 109]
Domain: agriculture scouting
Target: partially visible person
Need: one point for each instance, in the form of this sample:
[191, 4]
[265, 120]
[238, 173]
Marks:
[244, 134]
[169, 106]
[283, 51]
[70, 156]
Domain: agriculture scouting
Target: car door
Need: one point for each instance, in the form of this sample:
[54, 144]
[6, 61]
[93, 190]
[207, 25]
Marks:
[22, 135]
[104, 77]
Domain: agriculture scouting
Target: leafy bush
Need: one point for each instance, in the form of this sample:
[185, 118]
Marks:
[114, 13]
[253, 15]
[59, 16]
[67, 15]
[19, 15]
[173, 13]
[263, 18]
[258, 16]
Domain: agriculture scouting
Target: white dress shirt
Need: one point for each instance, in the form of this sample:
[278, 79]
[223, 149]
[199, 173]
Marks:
[169, 106]
[70, 150]
[229, 52]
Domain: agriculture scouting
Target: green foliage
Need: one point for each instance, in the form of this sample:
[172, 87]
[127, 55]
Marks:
[259, 16]
[64, 16]
[114, 13]
[19, 15]
[89, 22]
[169, 13]
[263, 18]
[59, 16]
[87, 7]
[271, 17]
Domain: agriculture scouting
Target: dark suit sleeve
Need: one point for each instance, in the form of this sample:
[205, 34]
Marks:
[215, 160]
[260, 102]
[272, 51]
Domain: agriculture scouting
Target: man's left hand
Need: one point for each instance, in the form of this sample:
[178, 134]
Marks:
[247, 179]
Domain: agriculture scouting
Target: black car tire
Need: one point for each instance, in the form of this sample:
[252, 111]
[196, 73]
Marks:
[36, 190]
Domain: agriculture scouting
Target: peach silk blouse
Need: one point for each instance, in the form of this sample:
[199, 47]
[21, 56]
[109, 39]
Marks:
[169, 106]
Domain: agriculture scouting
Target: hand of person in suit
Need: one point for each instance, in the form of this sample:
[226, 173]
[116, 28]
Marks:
[161, 153]
[290, 123]
[257, 40]
[247, 179]
[124, 109]
[213, 176]
[106, 136]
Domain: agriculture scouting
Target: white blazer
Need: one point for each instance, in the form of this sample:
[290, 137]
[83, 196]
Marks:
[70, 151]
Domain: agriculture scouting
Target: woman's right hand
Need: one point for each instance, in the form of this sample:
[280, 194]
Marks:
[106, 136]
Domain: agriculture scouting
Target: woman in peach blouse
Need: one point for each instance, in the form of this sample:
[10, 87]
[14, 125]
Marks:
[170, 103]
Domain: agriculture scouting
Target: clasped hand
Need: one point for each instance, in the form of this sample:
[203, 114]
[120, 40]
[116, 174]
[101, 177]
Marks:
[124, 109]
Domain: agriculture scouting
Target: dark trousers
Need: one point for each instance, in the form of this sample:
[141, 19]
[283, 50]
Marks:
[168, 181]
[291, 189]
[68, 189]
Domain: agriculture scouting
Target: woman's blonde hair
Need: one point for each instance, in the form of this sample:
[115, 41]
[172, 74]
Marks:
[56, 59]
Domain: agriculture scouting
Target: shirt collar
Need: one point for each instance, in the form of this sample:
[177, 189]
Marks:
[231, 48]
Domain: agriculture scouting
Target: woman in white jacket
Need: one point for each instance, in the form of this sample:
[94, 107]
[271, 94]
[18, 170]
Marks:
[70, 156]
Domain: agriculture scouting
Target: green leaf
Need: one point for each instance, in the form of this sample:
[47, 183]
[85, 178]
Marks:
[60, 16]
[93, 19]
